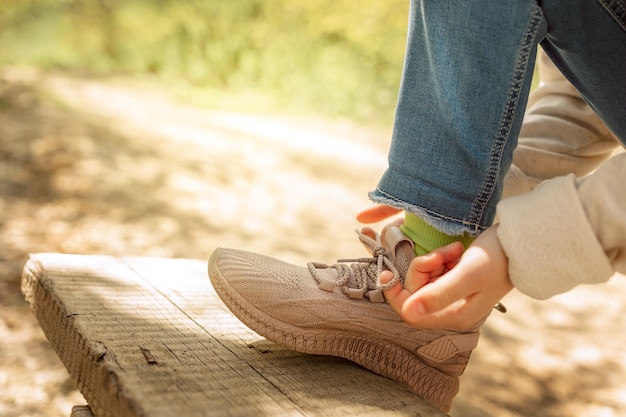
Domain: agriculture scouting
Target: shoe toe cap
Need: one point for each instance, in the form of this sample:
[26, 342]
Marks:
[259, 276]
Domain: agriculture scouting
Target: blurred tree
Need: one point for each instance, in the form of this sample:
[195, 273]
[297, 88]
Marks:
[338, 56]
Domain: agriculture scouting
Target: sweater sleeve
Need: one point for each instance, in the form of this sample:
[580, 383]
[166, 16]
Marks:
[561, 134]
[567, 231]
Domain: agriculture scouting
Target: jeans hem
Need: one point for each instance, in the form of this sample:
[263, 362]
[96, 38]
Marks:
[449, 226]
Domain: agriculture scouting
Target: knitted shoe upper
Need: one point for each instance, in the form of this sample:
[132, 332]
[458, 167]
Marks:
[341, 297]
[340, 310]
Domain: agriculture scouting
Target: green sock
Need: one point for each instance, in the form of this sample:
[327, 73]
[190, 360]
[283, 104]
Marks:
[426, 237]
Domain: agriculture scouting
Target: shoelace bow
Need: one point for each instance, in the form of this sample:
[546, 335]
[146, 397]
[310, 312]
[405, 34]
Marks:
[362, 277]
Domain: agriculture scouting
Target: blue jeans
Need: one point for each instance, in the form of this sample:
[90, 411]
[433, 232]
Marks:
[465, 85]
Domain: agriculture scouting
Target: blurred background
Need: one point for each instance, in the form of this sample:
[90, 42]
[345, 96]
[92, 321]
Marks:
[168, 128]
[334, 57]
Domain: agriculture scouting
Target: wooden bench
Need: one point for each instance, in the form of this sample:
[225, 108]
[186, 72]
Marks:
[148, 337]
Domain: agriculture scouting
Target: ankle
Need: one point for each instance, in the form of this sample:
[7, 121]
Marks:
[426, 237]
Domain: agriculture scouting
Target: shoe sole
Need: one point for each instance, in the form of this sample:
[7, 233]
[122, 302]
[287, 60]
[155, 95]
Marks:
[378, 356]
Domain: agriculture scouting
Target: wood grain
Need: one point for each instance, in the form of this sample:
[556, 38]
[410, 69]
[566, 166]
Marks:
[149, 337]
[81, 411]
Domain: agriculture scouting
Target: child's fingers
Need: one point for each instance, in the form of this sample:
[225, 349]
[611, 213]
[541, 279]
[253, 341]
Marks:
[439, 295]
[396, 295]
[451, 252]
[427, 268]
[460, 315]
[421, 270]
[377, 213]
[369, 232]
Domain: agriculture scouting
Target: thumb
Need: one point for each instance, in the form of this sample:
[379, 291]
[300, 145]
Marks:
[449, 289]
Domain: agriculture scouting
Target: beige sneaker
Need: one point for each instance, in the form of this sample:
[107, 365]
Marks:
[340, 310]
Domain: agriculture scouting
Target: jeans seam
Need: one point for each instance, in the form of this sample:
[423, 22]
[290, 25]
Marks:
[406, 204]
[504, 130]
[615, 9]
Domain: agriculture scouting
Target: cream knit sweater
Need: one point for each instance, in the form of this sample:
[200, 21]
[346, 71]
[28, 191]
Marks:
[570, 229]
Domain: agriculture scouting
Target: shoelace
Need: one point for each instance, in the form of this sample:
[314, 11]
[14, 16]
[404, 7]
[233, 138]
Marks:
[362, 277]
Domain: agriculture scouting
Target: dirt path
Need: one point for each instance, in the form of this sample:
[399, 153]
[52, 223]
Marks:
[94, 166]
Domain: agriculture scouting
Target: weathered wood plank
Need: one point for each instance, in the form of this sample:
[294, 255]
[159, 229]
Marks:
[81, 411]
[149, 337]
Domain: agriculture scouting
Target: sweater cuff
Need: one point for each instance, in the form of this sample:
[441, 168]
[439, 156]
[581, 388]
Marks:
[549, 241]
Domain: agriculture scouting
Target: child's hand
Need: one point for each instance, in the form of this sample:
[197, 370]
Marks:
[451, 289]
[376, 213]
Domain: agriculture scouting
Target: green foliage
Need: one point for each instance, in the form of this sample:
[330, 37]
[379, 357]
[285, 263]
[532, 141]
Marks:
[341, 57]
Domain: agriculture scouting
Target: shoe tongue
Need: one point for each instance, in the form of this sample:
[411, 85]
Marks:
[400, 249]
